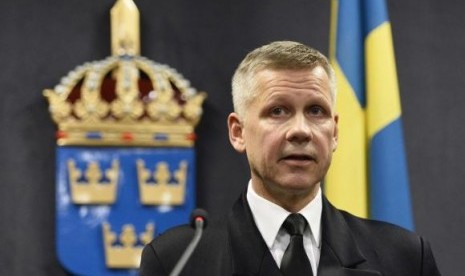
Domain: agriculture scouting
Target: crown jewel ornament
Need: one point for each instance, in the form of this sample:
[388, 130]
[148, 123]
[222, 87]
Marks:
[125, 99]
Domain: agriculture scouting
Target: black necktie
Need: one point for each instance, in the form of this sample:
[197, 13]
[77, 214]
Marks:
[295, 261]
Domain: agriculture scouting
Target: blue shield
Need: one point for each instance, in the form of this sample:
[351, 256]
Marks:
[111, 201]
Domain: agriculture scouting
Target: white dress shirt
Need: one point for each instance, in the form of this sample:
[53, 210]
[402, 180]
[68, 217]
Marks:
[269, 218]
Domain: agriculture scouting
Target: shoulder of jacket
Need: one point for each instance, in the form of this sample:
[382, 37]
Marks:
[379, 232]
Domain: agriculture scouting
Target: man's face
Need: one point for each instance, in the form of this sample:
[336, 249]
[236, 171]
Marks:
[289, 132]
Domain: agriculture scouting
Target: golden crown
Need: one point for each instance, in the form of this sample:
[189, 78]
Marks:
[125, 250]
[162, 191]
[125, 99]
[93, 186]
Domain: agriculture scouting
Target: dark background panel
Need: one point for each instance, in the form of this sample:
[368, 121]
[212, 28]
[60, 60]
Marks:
[429, 45]
[40, 41]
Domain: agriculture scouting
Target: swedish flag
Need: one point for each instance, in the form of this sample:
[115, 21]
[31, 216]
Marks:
[368, 176]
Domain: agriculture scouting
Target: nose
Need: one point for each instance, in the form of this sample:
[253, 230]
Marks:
[300, 130]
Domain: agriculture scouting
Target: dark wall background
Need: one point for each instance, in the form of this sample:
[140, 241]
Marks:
[40, 41]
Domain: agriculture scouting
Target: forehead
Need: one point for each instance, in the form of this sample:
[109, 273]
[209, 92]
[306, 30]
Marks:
[312, 79]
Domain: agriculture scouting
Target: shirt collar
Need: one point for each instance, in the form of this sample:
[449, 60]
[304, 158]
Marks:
[269, 216]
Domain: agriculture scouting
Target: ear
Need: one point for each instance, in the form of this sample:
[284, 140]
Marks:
[336, 132]
[236, 132]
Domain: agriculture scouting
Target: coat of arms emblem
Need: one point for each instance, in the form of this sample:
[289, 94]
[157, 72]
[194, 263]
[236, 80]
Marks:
[125, 158]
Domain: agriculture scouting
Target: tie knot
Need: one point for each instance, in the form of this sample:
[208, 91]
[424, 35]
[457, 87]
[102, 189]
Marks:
[295, 224]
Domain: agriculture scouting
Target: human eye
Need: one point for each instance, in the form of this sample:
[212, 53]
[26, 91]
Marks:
[277, 111]
[317, 110]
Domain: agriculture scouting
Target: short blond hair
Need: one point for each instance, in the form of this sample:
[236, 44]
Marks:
[278, 55]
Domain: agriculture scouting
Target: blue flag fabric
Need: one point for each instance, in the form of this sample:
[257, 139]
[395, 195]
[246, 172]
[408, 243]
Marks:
[369, 175]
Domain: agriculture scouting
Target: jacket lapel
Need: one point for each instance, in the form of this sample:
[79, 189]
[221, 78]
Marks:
[250, 255]
[340, 254]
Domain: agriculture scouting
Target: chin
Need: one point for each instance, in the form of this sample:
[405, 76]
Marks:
[299, 185]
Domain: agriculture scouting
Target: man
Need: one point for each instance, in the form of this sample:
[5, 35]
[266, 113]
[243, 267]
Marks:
[284, 121]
